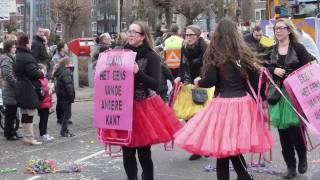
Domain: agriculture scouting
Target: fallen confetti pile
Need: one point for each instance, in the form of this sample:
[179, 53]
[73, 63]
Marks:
[262, 168]
[50, 166]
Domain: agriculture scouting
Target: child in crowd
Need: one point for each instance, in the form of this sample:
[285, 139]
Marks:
[65, 92]
[44, 106]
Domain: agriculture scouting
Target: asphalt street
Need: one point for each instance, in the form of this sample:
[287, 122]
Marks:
[85, 150]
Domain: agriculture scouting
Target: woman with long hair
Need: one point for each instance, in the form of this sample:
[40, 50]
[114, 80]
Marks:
[230, 125]
[153, 121]
[287, 56]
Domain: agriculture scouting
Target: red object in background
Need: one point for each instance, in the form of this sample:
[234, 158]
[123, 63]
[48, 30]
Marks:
[247, 23]
[81, 46]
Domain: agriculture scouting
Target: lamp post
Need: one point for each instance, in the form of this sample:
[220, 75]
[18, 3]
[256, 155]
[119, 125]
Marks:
[318, 6]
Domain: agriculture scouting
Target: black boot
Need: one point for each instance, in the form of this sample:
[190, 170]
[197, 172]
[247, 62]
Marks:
[303, 164]
[291, 166]
[246, 177]
[291, 173]
[194, 157]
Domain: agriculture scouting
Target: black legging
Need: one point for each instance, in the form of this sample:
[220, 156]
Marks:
[291, 139]
[130, 162]
[43, 123]
[239, 165]
[10, 117]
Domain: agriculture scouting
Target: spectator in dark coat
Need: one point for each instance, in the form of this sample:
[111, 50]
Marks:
[38, 48]
[104, 44]
[9, 81]
[164, 76]
[60, 53]
[28, 84]
[65, 92]
[253, 39]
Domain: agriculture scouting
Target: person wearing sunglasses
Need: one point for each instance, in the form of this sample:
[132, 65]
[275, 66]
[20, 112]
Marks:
[287, 56]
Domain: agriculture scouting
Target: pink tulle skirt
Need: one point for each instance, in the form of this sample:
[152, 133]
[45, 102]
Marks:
[226, 127]
[153, 122]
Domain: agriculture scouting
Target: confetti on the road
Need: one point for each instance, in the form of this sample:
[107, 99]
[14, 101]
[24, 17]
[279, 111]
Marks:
[70, 168]
[42, 166]
[8, 170]
[50, 166]
[262, 168]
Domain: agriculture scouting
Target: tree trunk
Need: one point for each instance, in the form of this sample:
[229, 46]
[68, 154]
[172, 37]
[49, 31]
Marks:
[168, 13]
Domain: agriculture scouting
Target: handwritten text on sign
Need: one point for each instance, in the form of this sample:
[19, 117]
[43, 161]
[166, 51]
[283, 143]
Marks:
[114, 90]
[305, 84]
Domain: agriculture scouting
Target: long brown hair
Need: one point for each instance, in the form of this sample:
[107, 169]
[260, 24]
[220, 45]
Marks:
[145, 30]
[228, 45]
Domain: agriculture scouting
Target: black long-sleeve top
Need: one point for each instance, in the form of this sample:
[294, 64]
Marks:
[192, 61]
[148, 76]
[296, 57]
[229, 81]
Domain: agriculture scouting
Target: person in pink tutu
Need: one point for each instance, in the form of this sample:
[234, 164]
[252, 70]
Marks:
[153, 121]
[231, 124]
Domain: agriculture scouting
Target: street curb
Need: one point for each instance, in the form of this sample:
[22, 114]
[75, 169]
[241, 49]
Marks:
[83, 100]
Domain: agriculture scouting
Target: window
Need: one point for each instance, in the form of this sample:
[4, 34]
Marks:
[93, 13]
[93, 2]
[20, 9]
[260, 14]
[93, 26]
[98, 13]
[58, 27]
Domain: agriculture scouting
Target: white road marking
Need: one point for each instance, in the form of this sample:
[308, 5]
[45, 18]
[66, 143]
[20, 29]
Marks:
[34, 177]
[89, 157]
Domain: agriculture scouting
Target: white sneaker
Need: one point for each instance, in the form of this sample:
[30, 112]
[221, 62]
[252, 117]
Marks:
[46, 138]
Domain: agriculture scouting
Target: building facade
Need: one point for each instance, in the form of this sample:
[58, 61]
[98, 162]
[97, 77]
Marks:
[36, 13]
[252, 11]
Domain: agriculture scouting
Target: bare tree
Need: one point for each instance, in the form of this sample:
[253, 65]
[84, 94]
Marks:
[190, 8]
[70, 13]
[11, 25]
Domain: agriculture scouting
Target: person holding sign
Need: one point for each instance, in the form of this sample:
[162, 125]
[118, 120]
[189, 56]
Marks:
[287, 56]
[231, 124]
[153, 121]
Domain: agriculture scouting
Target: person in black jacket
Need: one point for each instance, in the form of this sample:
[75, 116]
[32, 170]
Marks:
[38, 48]
[65, 92]
[230, 125]
[28, 87]
[153, 121]
[103, 45]
[287, 56]
[253, 39]
[8, 86]
[164, 76]
[192, 60]
[192, 55]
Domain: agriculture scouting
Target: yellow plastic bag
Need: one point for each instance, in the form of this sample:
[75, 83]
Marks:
[267, 42]
[184, 107]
